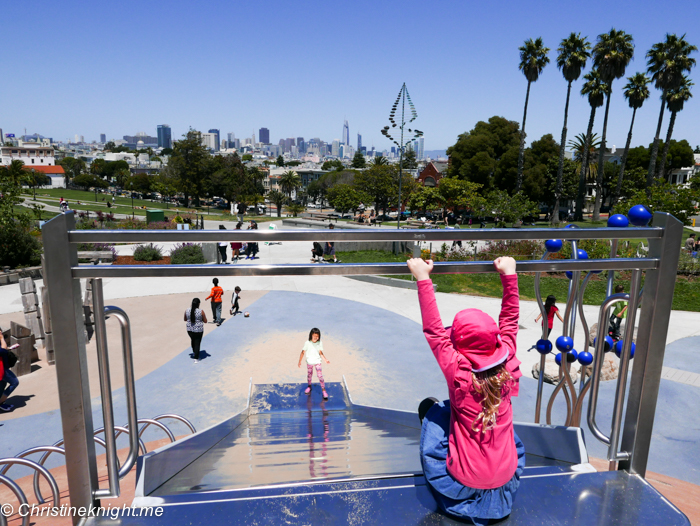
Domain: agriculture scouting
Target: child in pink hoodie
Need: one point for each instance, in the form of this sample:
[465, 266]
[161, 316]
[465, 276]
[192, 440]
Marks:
[472, 459]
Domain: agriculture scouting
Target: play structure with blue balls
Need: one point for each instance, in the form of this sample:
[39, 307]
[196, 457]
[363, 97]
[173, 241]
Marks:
[639, 215]
[585, 358]
[565, 343]
[543, 346]
[607, 346]
[553, 245]
[618, 348]
[618, 221]
[570, 357]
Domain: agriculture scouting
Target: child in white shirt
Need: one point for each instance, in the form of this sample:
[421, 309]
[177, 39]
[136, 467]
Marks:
[313, 349]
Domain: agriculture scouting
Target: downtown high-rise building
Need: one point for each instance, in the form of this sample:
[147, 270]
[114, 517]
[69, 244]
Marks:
[288, 143]
[210, 141]
[230, 137]
[264, 135]
[103, 138]
[164, 136]
[2, 137]
[301, 145]
[359, 142]
[346, 133]
[335, 148]
[217, 139]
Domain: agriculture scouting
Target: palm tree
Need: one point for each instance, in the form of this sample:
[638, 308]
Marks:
[636, 92]
[533, 59]
[278, 199]
[667, 62]
[611, 54]
[573, 54]
[675, 99]
[379, 160]
[595, 89]
[289, 181]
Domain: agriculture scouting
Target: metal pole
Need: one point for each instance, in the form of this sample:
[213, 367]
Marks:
[403, 104]
[71, 361]
[613, 455]
[105, 392]
[657, 300]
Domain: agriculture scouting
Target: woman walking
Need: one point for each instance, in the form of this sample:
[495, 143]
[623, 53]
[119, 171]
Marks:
[195, 319]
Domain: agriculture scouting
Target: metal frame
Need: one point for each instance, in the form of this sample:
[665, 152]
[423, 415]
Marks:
[63, 274]
[651, 344]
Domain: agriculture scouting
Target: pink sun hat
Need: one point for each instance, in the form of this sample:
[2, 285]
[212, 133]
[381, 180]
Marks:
[475, 335]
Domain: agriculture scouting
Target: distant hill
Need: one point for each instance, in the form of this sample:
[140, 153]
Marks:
[435, 154]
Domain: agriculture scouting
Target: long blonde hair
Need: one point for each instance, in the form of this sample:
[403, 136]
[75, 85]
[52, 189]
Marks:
[490, 385]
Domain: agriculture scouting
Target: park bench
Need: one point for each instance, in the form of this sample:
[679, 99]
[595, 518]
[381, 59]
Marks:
[96, 255]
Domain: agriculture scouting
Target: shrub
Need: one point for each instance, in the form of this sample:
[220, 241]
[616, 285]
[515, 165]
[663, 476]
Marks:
[18, 248]
[187, 254]
[516, 249]
[148, 252]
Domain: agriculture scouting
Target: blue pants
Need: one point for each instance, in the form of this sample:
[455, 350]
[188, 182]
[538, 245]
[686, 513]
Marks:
[11, 379]
[452, 497]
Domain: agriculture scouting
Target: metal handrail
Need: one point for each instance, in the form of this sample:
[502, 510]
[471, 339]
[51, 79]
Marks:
[212, 236]
[545, 336]
[31, 451]
[598, 359]
[105, 392]
[176, 417]
[129, 385]
[616, 427]
[120, 430]
[9, 462]
[149, 422]
[21, 497]
[301, 269]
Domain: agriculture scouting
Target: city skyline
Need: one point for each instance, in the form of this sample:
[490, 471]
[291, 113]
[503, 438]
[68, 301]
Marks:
[476, 62]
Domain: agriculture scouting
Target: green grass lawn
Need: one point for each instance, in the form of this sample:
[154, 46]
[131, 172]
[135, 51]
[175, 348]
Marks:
[686, 296]
[123, 204]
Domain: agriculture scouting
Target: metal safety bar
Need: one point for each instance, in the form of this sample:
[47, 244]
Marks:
[9, 462]
[341, 269]
[105, 392]
[21, 497]
[129, 386]
[545, 336]
[635, 285]
[599, 358]
[337, 234]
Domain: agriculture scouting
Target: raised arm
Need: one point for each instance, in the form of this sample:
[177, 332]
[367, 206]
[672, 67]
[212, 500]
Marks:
[510, 306]
[433, 329]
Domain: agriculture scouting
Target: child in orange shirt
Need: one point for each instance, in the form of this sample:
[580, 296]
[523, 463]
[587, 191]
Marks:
[216, 294]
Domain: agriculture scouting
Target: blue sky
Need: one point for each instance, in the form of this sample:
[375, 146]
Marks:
[300, 68]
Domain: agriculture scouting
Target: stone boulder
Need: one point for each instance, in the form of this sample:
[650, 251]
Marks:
[551, 371]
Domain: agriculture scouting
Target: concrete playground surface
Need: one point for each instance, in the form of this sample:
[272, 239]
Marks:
[371, 334]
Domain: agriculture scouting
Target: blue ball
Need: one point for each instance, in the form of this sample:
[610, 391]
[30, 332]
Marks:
[570, 357]
[585, 358]
[618, 349]
[543, 346]
[582, 254]
[618, 221]
[571, 225]
[607, 346]
[569, 274]
[564, 343]
[639, 215]
[553, 245]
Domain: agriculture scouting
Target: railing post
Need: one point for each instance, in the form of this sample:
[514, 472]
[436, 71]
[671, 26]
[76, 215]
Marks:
[71, 362]
[651, 344]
